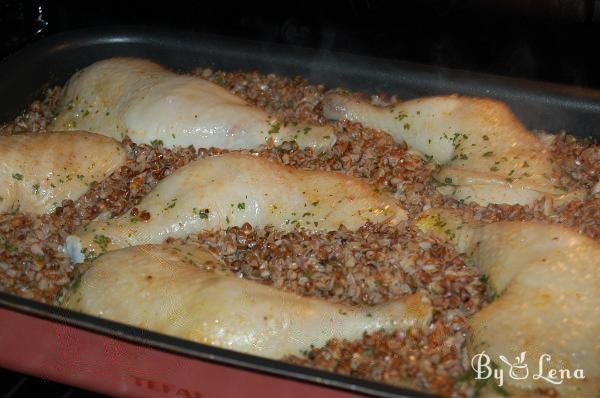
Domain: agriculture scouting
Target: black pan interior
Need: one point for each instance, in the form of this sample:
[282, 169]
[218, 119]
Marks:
[539, 105]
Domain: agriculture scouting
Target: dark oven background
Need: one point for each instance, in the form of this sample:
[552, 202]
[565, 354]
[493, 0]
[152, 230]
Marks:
[551, 40]
[548, 40]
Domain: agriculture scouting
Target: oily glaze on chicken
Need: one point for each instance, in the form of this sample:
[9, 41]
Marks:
[233, 189]
[138, 98]
[39, 170]
[548, 286]
[183, 291]
[486, 154]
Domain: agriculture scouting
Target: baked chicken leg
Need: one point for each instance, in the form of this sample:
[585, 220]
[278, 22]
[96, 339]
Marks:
[234, 189]
[147, 102]
[38, 171]
[486, 154]
[182, 290]
[548, 284]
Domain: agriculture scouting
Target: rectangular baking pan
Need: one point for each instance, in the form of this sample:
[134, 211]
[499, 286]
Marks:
[115, 359]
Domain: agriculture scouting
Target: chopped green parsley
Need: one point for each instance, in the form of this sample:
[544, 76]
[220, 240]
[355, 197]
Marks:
[102, 241]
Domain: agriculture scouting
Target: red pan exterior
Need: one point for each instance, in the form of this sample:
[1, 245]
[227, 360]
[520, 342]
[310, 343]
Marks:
[115, 367]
